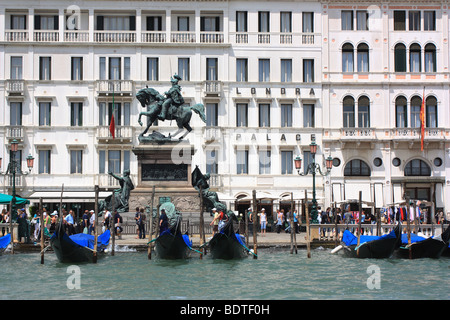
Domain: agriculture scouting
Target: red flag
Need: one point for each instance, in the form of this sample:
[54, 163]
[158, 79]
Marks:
[422, 121]
[112, 126]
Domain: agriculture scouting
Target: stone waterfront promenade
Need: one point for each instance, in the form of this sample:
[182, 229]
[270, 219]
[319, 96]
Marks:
[271, 239]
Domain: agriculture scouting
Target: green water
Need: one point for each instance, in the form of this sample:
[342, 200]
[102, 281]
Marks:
[275, 275]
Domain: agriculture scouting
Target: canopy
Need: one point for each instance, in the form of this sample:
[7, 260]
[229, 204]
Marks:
[5, 241]
[87, 240]
[6, 199]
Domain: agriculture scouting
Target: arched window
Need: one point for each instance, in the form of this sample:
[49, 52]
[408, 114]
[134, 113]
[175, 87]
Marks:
[400, 58]
[363, 57]
[416, 104]
[431, 112]
[401, 113]
[347, 57]
[430, 58]
[356, 168]
[414, 58]
[348, 109]
[417, 167]
[363, 112]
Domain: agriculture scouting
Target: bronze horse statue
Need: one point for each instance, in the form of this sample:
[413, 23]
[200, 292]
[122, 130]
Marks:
[182, 115]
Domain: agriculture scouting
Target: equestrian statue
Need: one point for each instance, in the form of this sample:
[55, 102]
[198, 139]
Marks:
[168, 107]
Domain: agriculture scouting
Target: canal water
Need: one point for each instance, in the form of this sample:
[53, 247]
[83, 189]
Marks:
[275, 275]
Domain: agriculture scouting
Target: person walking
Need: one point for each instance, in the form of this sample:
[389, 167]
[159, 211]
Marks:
[92, 224]
[141, 225]
[279, 220]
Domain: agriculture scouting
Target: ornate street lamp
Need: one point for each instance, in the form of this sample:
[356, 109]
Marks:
[313, 168]
[13, 168]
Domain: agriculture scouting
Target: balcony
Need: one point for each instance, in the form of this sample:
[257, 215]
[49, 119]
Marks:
[275, 38]
[122, 134]
[182, 37]
[212, 135]
[212, 87]
[46, 36]
[15, 132]
[153, 36]
[15, 87]
[118, 87]
[211, 37]
[76, 36]
[115, 36]
[16, 35]
[104, 180]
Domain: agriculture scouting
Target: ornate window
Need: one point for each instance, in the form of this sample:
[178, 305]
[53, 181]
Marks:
[356, 168]
[417, 167]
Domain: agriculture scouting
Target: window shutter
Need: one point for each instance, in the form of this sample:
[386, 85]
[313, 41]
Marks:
[100, 23]
[132, 23]
[37, 22]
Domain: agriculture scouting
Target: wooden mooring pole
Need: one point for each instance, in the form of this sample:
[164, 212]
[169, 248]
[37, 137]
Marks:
[359, 222]
[94, 257]
[308, 241]
[293, 235]
[202, 225]
[150, 232]
[41, 218]
[112, 225]
[408, 225]
[255, 226]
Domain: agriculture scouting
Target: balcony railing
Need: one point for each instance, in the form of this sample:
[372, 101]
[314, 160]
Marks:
[76, 36]
[153, 36]
[119, 87]
[211, 37]
[15, 132]
[275, 38]
[16, 35]
[115, 36]
[183, 36]
[121, 132]
[15, 87]
[358, 133]
[212, 87]
[46, 36]
[212, 134]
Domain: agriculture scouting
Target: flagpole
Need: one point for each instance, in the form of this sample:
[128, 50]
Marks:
[112, 124]
[422, 120]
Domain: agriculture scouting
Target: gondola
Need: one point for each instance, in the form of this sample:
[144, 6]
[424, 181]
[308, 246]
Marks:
[226, 244]
[420, 247]
[79, 247]
[372, 246]
[172, 244]
[4, 243]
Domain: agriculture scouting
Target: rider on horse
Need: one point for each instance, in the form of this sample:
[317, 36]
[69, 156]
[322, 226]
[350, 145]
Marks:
[174, 98]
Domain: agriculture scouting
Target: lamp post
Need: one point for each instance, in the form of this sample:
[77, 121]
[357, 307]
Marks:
[313, 168]
[12, 170]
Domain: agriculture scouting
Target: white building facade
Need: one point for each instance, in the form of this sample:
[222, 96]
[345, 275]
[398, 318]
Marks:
[270, 75]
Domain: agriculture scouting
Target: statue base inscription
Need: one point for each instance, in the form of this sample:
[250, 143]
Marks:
[167, 167]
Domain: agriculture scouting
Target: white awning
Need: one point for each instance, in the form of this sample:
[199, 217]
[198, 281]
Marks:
[68, 196]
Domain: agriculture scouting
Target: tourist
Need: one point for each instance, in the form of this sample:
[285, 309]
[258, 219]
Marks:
[3, 217]
[325, 220]
[296, 226]
[23, 228]
[54, 220]
[215, 221]
[263, 220]
[85, 221]
[92, 223]
[279, 220]
[136, 218]
[163, 222]
[117, 224]
[69, 221]
[36, 221]
[47, 219]
[142, 219]
[106, 219]
[223, 218]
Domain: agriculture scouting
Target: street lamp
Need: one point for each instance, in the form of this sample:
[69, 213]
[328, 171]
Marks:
[13, 168]
[313, 168]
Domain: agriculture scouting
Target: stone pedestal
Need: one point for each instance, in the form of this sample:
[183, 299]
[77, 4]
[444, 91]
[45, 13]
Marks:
[167, 167]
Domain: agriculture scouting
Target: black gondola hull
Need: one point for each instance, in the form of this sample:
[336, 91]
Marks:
[428, 248]
[225, 245]
[376, 249]
[169, 246]
[67, 251]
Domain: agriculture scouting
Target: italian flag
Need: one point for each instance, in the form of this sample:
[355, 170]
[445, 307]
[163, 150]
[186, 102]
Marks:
[422, 120]
[112, 124]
